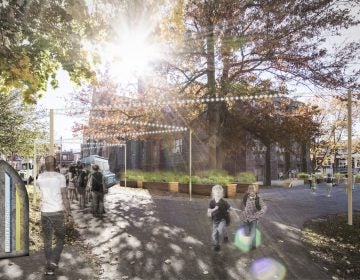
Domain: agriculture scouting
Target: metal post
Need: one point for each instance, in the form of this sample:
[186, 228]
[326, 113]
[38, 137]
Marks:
[125, 162]
[35, 171]
[349, 162]
[60, 160]
[190, 162]
[51, 147]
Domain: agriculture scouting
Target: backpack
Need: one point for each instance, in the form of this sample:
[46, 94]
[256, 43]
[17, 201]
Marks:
[82, 179]
[96, 182]
[257, 201]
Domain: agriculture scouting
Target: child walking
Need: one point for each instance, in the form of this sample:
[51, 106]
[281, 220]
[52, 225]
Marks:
[219, 212]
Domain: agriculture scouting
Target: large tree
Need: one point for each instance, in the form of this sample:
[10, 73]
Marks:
[246, 42]
[36, 39]
[280, 122]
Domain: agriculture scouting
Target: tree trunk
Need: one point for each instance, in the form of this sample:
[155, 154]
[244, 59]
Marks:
[213, 108]
[267, 179]
[304, 165]
[287, 162]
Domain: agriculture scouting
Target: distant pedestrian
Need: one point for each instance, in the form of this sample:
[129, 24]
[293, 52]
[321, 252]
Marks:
[55, 208]
[253, 208]
[312, 183]
[82, 180]
[98, 190]
[71, 187]
[219, 212]
[329, 184]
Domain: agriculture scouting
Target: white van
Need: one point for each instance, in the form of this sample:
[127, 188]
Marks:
[27, 171]
[103, 164]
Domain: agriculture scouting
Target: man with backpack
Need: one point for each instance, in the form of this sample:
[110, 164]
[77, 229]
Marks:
[253, 208]
[98, 189]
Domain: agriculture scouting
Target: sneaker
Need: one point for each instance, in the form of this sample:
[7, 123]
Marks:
[217, 248]
[226, 239]
[49, 272]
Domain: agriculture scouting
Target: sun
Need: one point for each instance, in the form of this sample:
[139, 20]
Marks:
[131, 55]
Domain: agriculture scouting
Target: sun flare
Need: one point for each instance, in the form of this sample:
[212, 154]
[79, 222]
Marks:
[131, 55]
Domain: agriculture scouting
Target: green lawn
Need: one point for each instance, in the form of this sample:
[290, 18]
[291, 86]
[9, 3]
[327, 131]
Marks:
[335, 245]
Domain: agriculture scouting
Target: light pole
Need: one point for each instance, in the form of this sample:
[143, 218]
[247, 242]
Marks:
[349, 161]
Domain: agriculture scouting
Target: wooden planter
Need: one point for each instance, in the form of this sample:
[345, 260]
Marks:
[173, 186]
[198, 189]
[129, 184]
[242, 188]
[159, 186]
[231, 190]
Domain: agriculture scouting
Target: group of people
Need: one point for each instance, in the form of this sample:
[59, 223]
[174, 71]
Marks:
[329, 184]
[56, 210]
[252, 208]
[55, 189]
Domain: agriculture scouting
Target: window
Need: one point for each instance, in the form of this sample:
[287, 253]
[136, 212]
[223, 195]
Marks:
[178, 146]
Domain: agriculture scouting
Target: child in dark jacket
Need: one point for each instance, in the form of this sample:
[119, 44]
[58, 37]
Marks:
[219, 212]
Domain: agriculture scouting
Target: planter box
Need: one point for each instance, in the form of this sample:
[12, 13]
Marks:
[183, 188]
[173, 186]
[129, 184]
[198, 189]
[242, 188]
[160, 186]
[231, 190]
[140, 184]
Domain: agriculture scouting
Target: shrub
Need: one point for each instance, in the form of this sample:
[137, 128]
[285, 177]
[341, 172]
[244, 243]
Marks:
[245, 177]
[302, 175]
[133, 175]
[211, 177]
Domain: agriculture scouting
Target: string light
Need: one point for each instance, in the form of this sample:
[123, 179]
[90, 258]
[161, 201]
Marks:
[102, 136]
[179, 102]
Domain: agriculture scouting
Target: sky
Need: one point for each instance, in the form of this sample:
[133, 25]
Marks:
[56, 99]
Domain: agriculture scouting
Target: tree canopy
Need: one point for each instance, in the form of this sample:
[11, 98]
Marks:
[231, 47]
[37, 38]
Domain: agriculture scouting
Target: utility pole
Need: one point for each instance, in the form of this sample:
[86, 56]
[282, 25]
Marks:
[51, 146]
[349, 161]
[60, 151]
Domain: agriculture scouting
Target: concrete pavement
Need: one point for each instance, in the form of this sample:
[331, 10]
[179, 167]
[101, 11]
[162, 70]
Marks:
[148, 235]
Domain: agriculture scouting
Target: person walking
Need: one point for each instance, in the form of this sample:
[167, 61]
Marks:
[219, 212]
[81, 185]
[55, 209]
[329, 184]
[98, 189]
[253, 208]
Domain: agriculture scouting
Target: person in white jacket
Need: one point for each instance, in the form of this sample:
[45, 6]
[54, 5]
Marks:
[55, 208]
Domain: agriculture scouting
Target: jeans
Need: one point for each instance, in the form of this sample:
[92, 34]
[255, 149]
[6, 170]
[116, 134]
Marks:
[218, 232]
[250, 230]
[82, 196]
[97, 203]
[53, 224]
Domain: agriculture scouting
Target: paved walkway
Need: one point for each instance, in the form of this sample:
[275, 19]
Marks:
[155, 236]
[165, 236]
